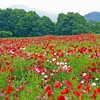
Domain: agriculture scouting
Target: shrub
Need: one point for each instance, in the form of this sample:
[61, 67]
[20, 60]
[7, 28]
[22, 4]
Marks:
[5, 34]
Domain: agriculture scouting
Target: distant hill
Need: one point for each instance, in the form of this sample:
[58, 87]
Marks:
[93, 16]
[53, 16]
[41, 13]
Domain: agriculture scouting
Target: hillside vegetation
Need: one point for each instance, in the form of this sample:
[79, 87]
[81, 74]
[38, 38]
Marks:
[23, 24]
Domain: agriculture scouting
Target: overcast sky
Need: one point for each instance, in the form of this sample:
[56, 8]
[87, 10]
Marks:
[56, 6]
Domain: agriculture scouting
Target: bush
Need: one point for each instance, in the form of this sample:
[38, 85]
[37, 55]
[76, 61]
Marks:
[5, 34]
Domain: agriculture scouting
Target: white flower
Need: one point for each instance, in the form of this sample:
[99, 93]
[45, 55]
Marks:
[84, 91]
[61, 63]
[47, 60]
[65, 67]
[54, 70]
[82, 81]
[57, 63]
[93, 84]
[50, 61]
[54, 59]
[42, 73]
[45, 76]
[66, 53]
[96, 78]
[20, 48]
[24, 48]
[84, 74]
[11, 52]
[28, 54]
[55, 53]
[65, 63]
[51, 74]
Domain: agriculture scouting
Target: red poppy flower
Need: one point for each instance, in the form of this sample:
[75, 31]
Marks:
[16, 98]
[77, 94]
[9, 89]
[93, 96]
[79, 86]
[87, 88]
[93, 64]
[65, 91]
[69, 69]
[7, 98]
[49, 93]
[98, 90]
[69, 84]
[57, 84]
[61, 97]
[48, 88]
[99, 63]
[7, 63]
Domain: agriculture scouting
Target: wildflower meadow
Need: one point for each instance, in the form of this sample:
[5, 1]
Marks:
[50, 68]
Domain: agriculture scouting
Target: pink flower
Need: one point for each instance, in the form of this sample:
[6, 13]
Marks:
[1, 95]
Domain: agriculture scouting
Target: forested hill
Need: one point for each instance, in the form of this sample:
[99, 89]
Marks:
[93, 16]
[21, 23]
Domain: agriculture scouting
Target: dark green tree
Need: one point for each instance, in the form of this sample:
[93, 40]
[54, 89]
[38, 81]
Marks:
[95, 26]
[71, 23]
[25, 24]
[44, 26]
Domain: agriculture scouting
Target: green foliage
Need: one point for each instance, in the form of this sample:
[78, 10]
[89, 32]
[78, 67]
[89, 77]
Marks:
[24, 24]
[5, 34]
[44, 26]
[95, 26]
[71, 23]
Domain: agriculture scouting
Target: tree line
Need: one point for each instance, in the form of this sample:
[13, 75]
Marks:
[19, 23]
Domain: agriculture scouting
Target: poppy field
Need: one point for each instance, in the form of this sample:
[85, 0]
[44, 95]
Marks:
[50, 68]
